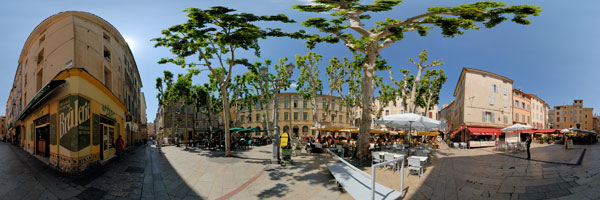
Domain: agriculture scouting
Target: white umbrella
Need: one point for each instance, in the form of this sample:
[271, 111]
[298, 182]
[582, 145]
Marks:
[516, 127]
[410, 121]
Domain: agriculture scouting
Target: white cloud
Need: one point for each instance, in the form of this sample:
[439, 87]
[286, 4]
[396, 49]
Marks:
[294, 85]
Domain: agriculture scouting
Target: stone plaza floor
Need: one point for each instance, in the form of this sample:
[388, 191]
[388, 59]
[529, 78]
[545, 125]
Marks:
[180, 173]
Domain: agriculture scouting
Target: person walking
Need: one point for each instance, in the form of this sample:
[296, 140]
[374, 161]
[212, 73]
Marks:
[528, 143]
[120, 147]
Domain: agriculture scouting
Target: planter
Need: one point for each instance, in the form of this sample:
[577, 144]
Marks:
[541, 142]
[549, 142]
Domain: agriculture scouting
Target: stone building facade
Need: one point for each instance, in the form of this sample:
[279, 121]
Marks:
[76, 89]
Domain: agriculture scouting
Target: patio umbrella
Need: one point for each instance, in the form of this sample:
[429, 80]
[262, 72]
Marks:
[516, 127]
[410, 121]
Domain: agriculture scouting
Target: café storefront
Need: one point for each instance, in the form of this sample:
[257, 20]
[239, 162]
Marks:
[73, 122]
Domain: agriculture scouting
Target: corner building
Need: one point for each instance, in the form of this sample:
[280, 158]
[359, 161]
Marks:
[75, 91]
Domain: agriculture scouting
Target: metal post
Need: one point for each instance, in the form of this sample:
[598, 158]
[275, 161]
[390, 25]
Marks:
[373, 183]
[275, 158]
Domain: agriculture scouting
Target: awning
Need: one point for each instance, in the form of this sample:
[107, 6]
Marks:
[546, 131]
[484, 131]
[40, 96]
[457, 130]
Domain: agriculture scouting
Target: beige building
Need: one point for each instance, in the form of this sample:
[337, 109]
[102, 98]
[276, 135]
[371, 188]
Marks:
[596, 124]
[179, 121]
[76, 89]
[521, 107]
[392, 109]
[539, 112]
[572, 116]
[296, 114]
[482, 106]
[3, 127]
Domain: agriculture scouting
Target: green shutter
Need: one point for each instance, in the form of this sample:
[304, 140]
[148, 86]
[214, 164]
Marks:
[96, 131]
[53, 129]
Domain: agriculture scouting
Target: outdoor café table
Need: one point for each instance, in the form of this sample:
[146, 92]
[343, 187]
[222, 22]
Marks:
[423, 159]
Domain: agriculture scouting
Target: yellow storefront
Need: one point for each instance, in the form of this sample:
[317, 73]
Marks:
[74, 122]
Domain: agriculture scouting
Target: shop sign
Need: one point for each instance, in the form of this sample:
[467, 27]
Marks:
[107, 112]
[74, 122]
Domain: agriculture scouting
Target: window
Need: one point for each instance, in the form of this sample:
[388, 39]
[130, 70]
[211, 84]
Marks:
[324, 104]
[40, 76]
[106, 53]
[505, 119]
[333, 106]
[570, 119]
[305, 116]
[341, 118]
[488, 116]
[491, 100]
[295, 103]
[295, 115]
[40, 56]
[505, 103]
[505, 91]
[304, 104]
[528, 119]
[523, 118]
[42, 39]
[523, 105]
[516, 103]
[257, 106]
[286, 104]
[528, 107]
[249, 118]
[107, 78]
[286, 116]
[494, 88]
[387, 112]
[106, 37]
[564, 119]
[333, 118]
[257, 117]
[516, 117]
[340, 107]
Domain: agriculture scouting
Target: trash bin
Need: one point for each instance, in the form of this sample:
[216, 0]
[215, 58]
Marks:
[286, 155]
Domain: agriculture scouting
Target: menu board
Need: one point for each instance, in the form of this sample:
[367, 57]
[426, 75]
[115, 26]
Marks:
[570, 144]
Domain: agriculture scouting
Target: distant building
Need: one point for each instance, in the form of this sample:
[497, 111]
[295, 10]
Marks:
[75, 91]
[572, 116]
[597, 123]
[539, 112]
[482, 106]
[521, 107]
[179, 121]
[3, 127]
[296, 114]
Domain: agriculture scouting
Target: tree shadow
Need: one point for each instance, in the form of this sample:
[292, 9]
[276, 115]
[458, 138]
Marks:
[279, 191]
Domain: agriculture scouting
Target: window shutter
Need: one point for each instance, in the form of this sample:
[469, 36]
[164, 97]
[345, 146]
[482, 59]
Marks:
[483, 116]
[493, 118]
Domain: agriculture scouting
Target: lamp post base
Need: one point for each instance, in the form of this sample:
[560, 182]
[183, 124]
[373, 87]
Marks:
[275, 161]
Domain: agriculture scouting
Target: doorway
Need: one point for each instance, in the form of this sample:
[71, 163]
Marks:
[42, 135]
[107, 146]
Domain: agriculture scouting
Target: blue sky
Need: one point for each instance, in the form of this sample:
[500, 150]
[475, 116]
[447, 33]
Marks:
[554, 58]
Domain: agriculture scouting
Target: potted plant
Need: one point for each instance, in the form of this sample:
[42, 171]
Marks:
[542, 138]
[549, 140]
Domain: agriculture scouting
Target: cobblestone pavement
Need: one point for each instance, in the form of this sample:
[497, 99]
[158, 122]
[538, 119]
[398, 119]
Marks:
[484, 174]
[180, 173]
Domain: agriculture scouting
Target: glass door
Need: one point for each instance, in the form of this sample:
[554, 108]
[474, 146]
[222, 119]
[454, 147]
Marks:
[108, 142]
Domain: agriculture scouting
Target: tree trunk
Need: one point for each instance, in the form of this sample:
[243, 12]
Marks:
[367, 97]
[266, 112]
[413, 91]
[315, 118]
[226, 117]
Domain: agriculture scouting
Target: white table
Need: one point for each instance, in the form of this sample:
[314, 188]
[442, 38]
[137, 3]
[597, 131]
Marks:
[423, 159]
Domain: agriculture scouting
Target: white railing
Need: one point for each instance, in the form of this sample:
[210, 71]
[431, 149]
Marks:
[372, 176]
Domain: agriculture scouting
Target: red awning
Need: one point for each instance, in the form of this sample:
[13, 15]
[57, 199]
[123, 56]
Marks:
[545, 131]
[457, 130]
[484, 131]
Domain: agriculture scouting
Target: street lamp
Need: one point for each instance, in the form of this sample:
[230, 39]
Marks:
[277, 83]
